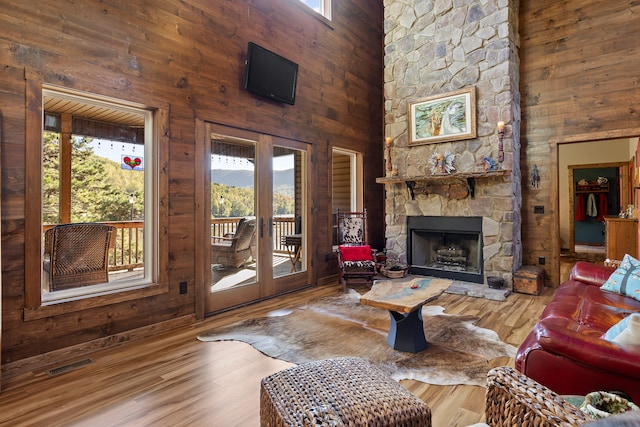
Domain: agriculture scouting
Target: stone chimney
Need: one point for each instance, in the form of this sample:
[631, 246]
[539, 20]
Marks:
[439, 47]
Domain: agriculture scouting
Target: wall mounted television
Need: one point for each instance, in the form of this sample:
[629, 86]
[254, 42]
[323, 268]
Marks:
[270, 75]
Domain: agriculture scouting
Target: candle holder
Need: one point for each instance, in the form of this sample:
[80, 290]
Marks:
[500, 142]
[388, 142]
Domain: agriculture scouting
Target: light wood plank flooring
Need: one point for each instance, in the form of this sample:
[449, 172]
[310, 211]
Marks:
[173, 379]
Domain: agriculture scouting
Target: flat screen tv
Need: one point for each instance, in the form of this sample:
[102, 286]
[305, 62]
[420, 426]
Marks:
[270, 75]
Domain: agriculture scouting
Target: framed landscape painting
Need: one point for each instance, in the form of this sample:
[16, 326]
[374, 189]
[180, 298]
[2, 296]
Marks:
[444, 117]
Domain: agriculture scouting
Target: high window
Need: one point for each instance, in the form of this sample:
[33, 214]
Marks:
[323, 7]
[346, 184]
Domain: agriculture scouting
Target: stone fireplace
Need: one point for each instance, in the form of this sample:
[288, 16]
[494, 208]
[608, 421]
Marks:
[433, 48]
[442, 246]
[485, 227]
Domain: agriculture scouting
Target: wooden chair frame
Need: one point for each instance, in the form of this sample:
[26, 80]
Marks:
[356, 260]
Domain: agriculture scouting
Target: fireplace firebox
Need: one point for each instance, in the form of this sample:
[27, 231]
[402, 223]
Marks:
[445, 246]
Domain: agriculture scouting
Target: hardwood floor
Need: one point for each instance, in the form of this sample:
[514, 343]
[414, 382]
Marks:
[173, 379]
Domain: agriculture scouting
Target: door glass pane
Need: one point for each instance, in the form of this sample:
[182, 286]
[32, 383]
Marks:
[288, 211]
[233, 213]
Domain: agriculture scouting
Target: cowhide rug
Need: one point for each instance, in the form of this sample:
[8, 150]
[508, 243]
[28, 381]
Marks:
[458, 351]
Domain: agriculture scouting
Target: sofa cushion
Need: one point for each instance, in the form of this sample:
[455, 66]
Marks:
[587, 309]
[625, 280]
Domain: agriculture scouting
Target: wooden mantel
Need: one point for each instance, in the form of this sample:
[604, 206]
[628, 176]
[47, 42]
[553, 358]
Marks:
[444, 178]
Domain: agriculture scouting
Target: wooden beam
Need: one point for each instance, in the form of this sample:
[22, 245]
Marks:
[64, 204]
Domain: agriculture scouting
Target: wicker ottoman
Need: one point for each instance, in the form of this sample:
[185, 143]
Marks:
[338, 392]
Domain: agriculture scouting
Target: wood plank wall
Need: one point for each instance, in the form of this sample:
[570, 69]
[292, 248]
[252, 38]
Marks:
[187, 56]
[579, 76]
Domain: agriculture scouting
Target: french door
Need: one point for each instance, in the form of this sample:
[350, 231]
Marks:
[256, 192]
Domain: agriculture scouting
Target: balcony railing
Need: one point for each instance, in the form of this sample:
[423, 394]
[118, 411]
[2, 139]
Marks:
[281, 226]
[128, 251]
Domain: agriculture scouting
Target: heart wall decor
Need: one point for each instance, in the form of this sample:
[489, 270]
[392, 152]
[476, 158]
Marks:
[132, 162]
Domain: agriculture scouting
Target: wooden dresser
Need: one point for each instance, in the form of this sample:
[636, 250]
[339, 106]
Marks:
[621, 235]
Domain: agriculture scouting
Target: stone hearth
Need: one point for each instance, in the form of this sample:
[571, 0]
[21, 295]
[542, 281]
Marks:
[478, 291]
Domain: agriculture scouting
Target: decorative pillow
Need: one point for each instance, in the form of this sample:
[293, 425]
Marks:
[615, 330]
[626, 331]
[625, 280]
[355, 253]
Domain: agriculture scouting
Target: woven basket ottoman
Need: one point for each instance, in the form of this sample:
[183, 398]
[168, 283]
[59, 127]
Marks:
[343, 391]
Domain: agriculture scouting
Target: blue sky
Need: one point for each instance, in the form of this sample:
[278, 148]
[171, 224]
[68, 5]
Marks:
[314, 4]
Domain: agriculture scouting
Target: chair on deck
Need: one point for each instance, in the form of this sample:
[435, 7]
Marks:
[355, 257]
[237, 249]
[77, 254]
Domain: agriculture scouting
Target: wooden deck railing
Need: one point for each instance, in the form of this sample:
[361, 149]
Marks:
[281, 226]
[128, 251]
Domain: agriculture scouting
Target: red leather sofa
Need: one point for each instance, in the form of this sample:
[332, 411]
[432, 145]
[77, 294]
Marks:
[565, 350]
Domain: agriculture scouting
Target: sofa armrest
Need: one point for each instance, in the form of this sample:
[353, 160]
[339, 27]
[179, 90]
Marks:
[556, 336]
[514, 399]
[590, 273]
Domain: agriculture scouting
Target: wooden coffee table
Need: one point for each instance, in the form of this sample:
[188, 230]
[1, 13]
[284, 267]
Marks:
[404, 301]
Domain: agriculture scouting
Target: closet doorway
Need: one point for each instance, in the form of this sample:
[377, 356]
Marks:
[596, 191]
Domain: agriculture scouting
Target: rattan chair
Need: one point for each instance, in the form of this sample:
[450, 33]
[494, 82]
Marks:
[238, 249]
[513, 399]
[77, 254]
[355, 257]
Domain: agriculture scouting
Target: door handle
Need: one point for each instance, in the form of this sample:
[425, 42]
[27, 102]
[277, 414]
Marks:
[261, 228]
[270, 227]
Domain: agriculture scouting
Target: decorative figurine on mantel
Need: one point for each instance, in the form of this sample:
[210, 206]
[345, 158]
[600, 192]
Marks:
[489, 164]
[388, 142]
[442, 163]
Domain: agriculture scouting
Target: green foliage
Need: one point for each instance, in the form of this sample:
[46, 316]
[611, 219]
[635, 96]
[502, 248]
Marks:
[240, 202]
[237, 201]
[283, 204]
[100, 189]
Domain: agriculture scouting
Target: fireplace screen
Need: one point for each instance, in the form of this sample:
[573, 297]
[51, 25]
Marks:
[448, 247]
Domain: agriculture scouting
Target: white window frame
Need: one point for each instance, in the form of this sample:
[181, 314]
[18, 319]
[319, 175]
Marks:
[150, 255]
[325, 8]
[355, 177]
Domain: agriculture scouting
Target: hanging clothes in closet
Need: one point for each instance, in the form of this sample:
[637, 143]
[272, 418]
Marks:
[592, 208]
[581, 211]
[603, 206]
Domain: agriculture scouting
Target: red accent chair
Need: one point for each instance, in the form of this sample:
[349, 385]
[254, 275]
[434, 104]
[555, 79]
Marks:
[565, 350]
[355, 257]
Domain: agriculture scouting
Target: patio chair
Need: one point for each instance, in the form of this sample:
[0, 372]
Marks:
[355, 257]
[514, 399]
[77, 254]
[238, 249]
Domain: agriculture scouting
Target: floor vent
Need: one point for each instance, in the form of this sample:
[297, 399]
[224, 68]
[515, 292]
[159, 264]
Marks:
[69, 367]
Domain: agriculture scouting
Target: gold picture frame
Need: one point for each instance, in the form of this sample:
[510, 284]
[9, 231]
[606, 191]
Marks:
[444, 117]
